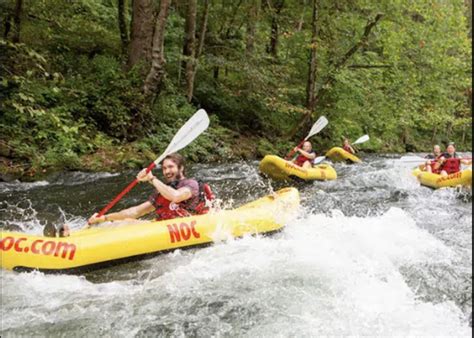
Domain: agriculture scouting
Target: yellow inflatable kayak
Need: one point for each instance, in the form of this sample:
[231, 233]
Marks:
[338, 154]
[116, 243]
[280, 169]
[463, 178]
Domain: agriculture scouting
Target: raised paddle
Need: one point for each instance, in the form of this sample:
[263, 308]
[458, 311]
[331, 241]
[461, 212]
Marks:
[188, 133]
[413, 158]
[317, 127]
[360, 140]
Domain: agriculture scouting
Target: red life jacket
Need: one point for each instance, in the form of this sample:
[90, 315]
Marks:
[348, 149]
[165, 209]
[301, 159]
[451, 165]
[435, 166]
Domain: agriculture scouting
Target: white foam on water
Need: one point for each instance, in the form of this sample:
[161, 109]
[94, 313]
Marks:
[322, 275]
[79, 177]
[326, 276]
[34, 299]
[21, 186]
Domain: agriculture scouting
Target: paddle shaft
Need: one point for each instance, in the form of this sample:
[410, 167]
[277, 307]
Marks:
[290, 154]
[124, 192]
[421, 159]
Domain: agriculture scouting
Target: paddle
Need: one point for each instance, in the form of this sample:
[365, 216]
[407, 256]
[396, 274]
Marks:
[188, 132]
[360, 140]
[317, 127]
[319, 159]
[413, 158]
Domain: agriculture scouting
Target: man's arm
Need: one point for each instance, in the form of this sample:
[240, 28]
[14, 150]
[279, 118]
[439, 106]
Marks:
[133, 212]
[311, 156]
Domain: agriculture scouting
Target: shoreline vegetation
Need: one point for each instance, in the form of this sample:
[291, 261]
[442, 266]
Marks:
[103, 85]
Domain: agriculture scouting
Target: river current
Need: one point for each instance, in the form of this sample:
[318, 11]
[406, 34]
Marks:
[371, 254]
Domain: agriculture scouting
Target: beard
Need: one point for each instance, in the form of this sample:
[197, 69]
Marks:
[174, 177]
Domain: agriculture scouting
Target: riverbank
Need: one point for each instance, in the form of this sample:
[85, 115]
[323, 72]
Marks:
[135, 155]
[115, 157]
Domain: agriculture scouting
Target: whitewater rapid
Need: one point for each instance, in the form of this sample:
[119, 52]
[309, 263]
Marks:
[365, 257]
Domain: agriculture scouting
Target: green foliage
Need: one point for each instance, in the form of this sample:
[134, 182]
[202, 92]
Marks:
[65, 92]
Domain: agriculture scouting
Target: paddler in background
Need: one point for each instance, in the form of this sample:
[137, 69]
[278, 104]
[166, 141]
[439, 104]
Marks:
[306, 155]
[450, 162]
[346, 145]
[432, 165]
[178, 197]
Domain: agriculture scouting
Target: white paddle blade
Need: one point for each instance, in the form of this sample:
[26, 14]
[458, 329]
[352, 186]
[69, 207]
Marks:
[412, 158]
[188, 133]
[319, 159]
[361, 139]
[317, 126]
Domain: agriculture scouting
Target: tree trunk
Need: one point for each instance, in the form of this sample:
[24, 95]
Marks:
[17, 21]
[225, 30]
[191, 72]
[157, 71]
[141, 32]
[299, 27]
[311, 85]
[202, 33]
[274, 34]
[122, 22]
[331, 77]
[8, 26]
[468, 4]
[252, 27]
[449, 130]
[189, 50]
[435, 133]
[361, 42]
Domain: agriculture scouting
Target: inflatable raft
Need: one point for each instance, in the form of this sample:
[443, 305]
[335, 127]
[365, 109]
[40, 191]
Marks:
[462, 178]
[338, 154]
[280, 169]
[114, 243]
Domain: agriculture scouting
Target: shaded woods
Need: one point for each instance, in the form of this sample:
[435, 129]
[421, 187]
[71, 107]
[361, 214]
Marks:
[104, 84]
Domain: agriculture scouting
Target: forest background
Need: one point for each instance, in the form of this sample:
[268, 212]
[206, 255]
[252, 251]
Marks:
[105, 84]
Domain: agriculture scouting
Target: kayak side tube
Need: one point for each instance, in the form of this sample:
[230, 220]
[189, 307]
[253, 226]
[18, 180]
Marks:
[118, 242]
[461, 178]
[279, 169]
[338, 154]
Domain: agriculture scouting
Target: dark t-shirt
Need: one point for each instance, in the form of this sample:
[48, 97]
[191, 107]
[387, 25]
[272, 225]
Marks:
[192, 184]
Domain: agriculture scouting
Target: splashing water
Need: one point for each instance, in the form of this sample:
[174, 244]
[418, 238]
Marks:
[372, 253]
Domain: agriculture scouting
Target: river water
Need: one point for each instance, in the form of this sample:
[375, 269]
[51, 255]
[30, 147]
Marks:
[371, 253]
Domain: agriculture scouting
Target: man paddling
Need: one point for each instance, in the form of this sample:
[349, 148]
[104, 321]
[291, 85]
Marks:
[307, 155]
[347, 146]
[432, 165]
[178, 197]
[450, 161]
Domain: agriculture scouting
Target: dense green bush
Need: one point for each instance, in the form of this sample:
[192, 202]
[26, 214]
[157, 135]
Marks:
[67, 98]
